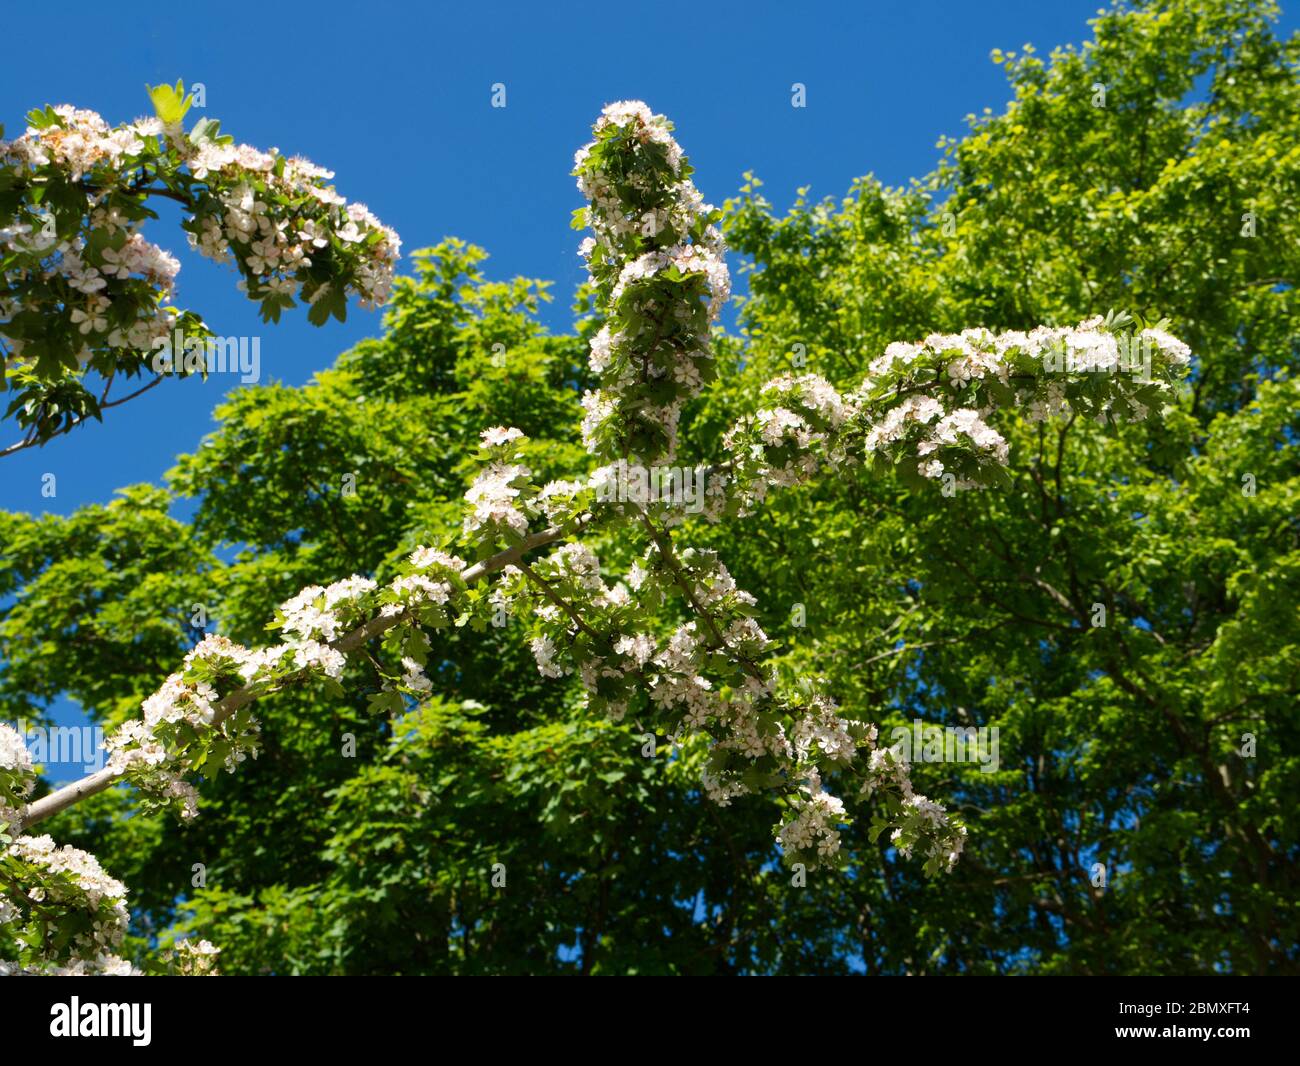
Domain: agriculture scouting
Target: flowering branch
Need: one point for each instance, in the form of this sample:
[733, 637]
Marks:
[264, 680]
[82, 289]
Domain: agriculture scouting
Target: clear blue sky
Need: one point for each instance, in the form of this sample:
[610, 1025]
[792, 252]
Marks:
[395, 98]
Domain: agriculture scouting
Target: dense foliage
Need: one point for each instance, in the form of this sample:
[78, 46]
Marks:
[506, 825]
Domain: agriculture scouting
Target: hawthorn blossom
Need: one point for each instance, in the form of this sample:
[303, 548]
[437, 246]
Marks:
[269, 216]
[499, 435]
[643, 386]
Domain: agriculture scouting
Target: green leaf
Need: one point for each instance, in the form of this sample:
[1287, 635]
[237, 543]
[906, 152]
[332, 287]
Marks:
[170, 103]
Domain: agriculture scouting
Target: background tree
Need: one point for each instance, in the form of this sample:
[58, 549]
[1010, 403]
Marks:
[1172, 193]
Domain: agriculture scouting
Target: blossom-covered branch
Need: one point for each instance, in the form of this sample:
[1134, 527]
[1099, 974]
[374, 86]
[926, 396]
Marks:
[924, 409]
[198, 722]
[189, 719]
[657, 267]
[657, 262]
[81, 288]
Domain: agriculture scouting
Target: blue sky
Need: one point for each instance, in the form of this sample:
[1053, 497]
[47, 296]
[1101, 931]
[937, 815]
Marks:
[396, 99]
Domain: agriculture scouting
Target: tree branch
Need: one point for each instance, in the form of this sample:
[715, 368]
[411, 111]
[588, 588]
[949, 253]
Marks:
[32, 439]
[65, 797]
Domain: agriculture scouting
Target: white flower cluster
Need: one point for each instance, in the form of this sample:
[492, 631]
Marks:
[823, 733]
[100, 965]
[815, 823]
[122, 287]
[973, 354]
[13, 751]
[1046, 372]
[704, 678]
[504, 501]
[149, 746]
[913, 410]
[924, 821]
[930, 402]
[196, 958]
[544, 650]
[157, 750]
[67, 878]
[318, 613]
[655, 259]
[686, 259]
[16, 775]
[136, 256]
[1175, 350]
[496, 490]
[962, 422]
[423, 586]
[633, 122]
[79, 143]
[290, 233]
[276, 215]
[822, 727]
[801, 417]
[618, 664]
[556, 499]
